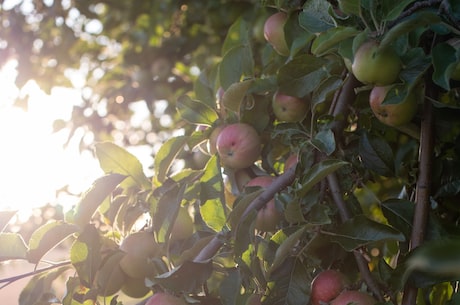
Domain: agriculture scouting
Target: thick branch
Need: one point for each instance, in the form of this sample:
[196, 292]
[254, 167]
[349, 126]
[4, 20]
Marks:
[423, 188]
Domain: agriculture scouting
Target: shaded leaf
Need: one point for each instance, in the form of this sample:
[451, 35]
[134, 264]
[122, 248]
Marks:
[444, 62]
[12, 246]
[318, 172]
[350, 7]
[234, 95]
[360, 231]
[166, 212]
[392, 9]
[324, 141]
[115, 159]
[93, 198]
[285, 248]
[376, 154]
[329, 40]
[236, 64]
[309, 21]
[85, 254]
[187, 277]
[196, 112]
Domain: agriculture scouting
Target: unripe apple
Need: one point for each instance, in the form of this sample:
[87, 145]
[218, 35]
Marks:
[238, 145]
[289, 108]
[274, 32]
[372, 65]
[353, 297]
[183, 226]
[162, 298]
[392, 114]
[268, 217]
[326, 286]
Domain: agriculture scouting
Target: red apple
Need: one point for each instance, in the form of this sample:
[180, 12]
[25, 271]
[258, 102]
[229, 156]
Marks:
[326, 286]
[372, 65]
[238, 145]
[289, 108]
[212, 141]
[268, 217]
[162, 298]
[392, 114]
[274, 32]
[353, 297]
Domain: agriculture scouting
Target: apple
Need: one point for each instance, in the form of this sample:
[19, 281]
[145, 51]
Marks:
[212, 141]
[326, 286]
[274, 32]
[110, 278]
[268, 217]
[289, 108]
[238, 145]
[162, 298]
[353, 297]
[375, 66]
[392, 114]
[135, 288]
[183, 226]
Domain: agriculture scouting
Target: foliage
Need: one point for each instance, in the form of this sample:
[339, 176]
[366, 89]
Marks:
[378, 203]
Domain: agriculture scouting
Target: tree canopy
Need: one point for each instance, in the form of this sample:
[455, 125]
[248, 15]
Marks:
[349, 107]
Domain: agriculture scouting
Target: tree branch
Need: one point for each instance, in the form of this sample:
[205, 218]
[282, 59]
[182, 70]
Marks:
[423, 187]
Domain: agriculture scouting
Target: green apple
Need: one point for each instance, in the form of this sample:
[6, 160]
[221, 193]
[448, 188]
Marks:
[372, 65]
[274, 32]
[163, 298]
[326, 286]
[289, 108]
[238, 145]
[353, 297]
[268, 217]
[392, 114]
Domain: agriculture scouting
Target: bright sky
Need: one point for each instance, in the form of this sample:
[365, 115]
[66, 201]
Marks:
[33, 162]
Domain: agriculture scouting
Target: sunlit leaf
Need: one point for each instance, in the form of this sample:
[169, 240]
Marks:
[360, 231]
[196, 112]
[93, 198]
[85, 254]
[47, 237]
[5, 217]
[166, 155]
[115, 159]
[12, 246]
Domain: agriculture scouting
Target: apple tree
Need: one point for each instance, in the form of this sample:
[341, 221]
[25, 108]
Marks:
[328, 138]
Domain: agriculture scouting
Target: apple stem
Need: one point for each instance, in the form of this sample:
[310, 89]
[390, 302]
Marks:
[423, 186]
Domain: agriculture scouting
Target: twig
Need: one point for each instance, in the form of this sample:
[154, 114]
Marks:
[13, 279]
[423, 188]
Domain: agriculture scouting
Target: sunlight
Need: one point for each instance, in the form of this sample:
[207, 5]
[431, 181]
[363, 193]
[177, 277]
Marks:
[33, 161]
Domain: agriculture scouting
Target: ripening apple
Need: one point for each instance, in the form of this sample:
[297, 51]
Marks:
[375, 66]
[212, 141]
[162, 298]
[392, 114]
[274, 32]
[268, 217]
[326, 286]
[238, 145]
[289, 108]
[353, 297]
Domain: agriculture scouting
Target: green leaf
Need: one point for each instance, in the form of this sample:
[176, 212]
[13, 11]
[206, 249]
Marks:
[329, 40]
[187, 277]
[391, 9]
[238, 34]
[234, 95]
[166, 155]
[230, 286]
[196, 112]
[324, 141]
[310, 21]
[416, 63]
[93, 198]
[47, 237]
[114, 159]
[236, 64]
[213, 208]
[318, 172]
[302, 75]
[13, 246]
[444, 62]
[285, 249]
[417, 20]
[5, 217]
[399, 213]
[376, 154]
[326, 89]
[350, 7]
[166, 211]
[85, 255]
[360, 231]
